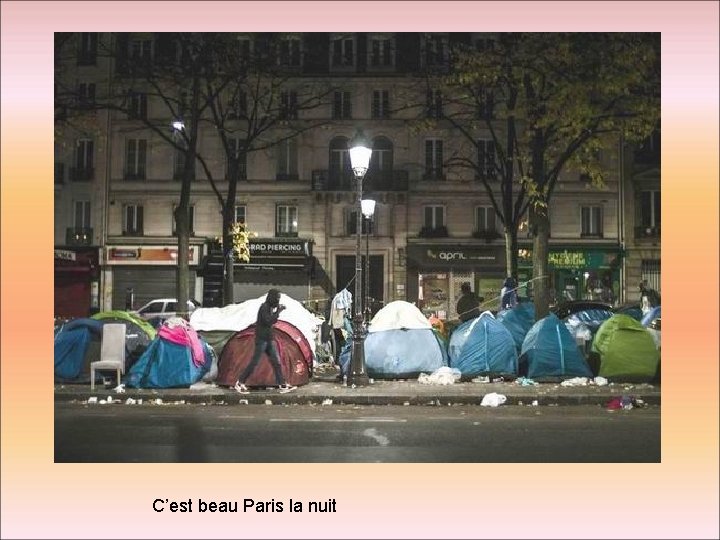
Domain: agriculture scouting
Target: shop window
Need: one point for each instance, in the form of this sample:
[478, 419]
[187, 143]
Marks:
[591, 219]
[434, 294]
[191, 220]
[133, 219]
[286, 221]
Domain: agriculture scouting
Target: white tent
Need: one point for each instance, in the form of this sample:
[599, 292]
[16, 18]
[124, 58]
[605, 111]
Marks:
[399, 315]
[237, 317]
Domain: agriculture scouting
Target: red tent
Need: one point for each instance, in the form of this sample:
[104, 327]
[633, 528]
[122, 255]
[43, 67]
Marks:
[295, 357]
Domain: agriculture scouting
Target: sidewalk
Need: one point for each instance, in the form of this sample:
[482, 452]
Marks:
[324, 389]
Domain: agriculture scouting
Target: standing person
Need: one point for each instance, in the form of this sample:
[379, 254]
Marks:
[468, 307]
[649, 298]
[508, 294]
[264, 343]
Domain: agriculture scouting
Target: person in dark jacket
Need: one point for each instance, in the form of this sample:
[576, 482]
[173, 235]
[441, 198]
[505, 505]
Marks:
[267, 316]
[649, 297]
[468, 305]
[508, 294]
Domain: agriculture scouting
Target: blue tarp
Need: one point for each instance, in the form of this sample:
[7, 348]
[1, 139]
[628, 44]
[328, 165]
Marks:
[650, 316]
[167, 365]
[549, 350]
[519, 320]
[71, 347]
[483, 346]
[403, 353]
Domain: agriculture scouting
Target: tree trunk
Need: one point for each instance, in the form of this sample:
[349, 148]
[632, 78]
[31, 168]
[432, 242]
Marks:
[511, 251]
[540, 227]
[228, 260]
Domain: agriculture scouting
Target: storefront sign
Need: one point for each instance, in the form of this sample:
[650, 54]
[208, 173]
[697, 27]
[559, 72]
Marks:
[279, 247]
[268, 254]
[455, 256]
[155, 255]
[573, 259]
[65, 255]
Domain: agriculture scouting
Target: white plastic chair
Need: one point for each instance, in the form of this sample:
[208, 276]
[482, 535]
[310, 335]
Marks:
[112, 353]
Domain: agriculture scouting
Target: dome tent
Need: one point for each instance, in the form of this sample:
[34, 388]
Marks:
[483, 346]
[77, 344]
[296, 357]
[518, 320]
[627, 350]
[550, 351]
[138, 332]
[400, 343]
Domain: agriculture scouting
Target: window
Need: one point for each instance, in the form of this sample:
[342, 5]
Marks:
[650, 209]
[82, 215]
[434, 105]
[286, 222]
[367, 226]
[650, 272]
[380, 104]
[87, 49]
[380, 171]
[288, 105]
[237, 164]
[135, 156]
[289, 52]
[237, 107]
[179, 163]
[433, 159]
[340, 172]
[436, 50]
[137, 105]
[381, 52]
[245, 48]
[86, 93]
[191, 220]
[591, 217]
[434, 216]
[240, 213]
[141, 50]
[485, 104]
[485, 159]
[342, 51]
[133, 219]
[485, 219]
[342, 106]
[287, 160]
[84, 156]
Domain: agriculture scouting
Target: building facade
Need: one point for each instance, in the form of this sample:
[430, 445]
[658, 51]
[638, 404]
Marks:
[433, 229]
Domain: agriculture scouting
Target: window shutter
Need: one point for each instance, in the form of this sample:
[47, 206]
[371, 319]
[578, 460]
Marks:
[428, 155]
[139, 210]
[142, 149]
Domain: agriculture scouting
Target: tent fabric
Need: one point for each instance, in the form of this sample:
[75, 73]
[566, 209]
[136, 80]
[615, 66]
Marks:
[296, 357]
[167, 365]
[238, 317]
[549, 350]
[627, 350]
[518, 320]
[217, 339]
[399, 315]
[138, 334]
[73, 350]
[633, 310]
[650, 316]
[483, 346]
[401, 353]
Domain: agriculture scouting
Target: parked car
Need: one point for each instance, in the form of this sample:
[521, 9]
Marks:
[163, 308]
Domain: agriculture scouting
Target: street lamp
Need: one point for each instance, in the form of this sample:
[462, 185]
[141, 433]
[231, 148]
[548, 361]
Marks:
[359, 149]
[368, 209]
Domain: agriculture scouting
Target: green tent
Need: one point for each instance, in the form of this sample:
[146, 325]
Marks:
[627, 350]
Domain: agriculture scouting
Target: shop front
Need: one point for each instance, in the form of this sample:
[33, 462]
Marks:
[280, 263]
[576, 273]
[77, 276]
[436, 273]
[139, 274]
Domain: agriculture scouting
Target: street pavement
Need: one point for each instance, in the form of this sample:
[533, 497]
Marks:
[325, 389]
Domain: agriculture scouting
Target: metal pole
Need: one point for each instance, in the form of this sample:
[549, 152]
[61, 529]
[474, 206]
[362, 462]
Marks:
[357, 375]
[367, 271]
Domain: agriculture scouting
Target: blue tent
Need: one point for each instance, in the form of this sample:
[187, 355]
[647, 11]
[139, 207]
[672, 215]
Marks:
[483, 346]
[518, 320]
[650, 316]
[73, 350]
[403, 353]
[549, 350]
[167, 365]
[633, 310]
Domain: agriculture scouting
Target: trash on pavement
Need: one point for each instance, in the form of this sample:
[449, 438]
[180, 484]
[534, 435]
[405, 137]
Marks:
[92, 399]
[575, 381]
[620, 402]
[600, 381]
[327, 402]
[535, 403]
[481, 379]
[130, 401]
[493, 399]
[444, 375]
[524, 381]
[268, 402]
[120, 388]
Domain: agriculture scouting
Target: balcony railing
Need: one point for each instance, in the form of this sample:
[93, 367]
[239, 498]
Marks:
[487, 235]
[396, 180]
[75, 236]
[286, 234]
[286, 177]
[134, 175]
[647, 232]
[433, 175]
[434, 232]
[85, 174]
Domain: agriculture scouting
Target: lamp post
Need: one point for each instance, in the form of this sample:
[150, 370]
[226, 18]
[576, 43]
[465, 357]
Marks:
[359, 149]
[368, 209]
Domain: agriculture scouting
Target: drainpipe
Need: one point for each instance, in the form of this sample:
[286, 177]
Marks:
[621, 220]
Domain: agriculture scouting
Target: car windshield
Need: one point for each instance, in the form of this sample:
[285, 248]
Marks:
[152, 307]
